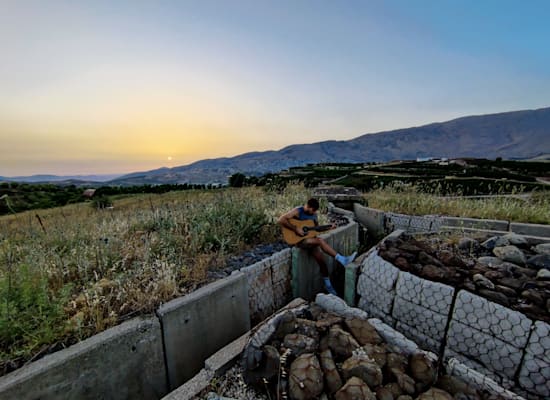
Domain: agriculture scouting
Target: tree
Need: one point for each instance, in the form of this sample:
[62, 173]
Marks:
[237, 180]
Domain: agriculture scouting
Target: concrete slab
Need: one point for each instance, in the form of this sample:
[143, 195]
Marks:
[458, 368]
[423, 320]
[534, 375]
[491, 318]
[423, 341]
[538, 230]
[124, 362]
[372, 218]
[380, 271]
[395, 221]
[197, 325]
[539, 342]
[491, 224]
[350, 284]
[192, 387]
[374, 294]
[260, 289]
[306, 277]
[495, 354]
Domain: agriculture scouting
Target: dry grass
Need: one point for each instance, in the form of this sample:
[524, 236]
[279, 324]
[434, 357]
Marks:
[74, 271]
[535, 208]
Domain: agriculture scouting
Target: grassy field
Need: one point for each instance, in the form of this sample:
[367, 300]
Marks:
[531, 208]
[70, 272]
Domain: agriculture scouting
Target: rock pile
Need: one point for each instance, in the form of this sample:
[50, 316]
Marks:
[511, 270]
[309, 353]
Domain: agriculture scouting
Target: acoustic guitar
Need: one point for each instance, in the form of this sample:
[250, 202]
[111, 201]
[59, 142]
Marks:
[309, 228]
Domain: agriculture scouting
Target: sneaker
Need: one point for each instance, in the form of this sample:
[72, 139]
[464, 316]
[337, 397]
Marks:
[345, 260]
[328, 286]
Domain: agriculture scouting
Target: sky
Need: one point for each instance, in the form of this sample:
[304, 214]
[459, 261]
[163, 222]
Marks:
[100, 87]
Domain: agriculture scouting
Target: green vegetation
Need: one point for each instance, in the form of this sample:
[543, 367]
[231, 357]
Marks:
[456, 177]
[412, 200]
[16, 197]
[70, 272]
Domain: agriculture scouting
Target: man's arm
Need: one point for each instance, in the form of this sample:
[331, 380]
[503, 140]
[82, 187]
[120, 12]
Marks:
[286, 221]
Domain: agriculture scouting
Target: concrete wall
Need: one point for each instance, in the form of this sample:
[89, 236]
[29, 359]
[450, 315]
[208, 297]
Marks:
[380, 223]
[371, 218]
[197, 325]
[124, 362]
[145, 358]
[306, 276]
[503, 345]
[530, 229]
[269, 284]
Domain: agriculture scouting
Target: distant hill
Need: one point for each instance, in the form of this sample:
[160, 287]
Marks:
[518, 135]
[78, 180]
[510, 135]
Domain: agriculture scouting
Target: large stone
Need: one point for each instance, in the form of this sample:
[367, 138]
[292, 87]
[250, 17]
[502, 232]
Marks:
[515, 239]
[363, 331]
[516, 271]
[482, 281]
[539, 261]
[355, 389]
[383, 393]
[489, 261]
[497, 297]
[543, 248]
[505, 290]
[426, 259]
[512, 283]
[435, 394]
[468, 244]
[398, 361]
[543, 274]
[455, 386]
[364, 368]
[493, 275]
[534, 296]
[434, 272]
[405, 382]
[449, 258]
[332, 377]
[300, 344]
[306, 378]
[511, 254]
[490, 243]
[423, 368]
[341, 342]
[379, 353]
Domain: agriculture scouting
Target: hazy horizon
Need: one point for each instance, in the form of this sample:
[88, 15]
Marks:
[94, 88]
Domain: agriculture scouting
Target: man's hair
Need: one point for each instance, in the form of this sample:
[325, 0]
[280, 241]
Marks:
[313, 203]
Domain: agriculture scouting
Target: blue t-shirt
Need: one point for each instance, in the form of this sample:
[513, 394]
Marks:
[302, 215]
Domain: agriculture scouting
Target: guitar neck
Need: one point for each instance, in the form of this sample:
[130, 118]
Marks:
[318, 228]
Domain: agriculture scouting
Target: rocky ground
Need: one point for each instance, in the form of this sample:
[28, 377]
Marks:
[511, 270]
[314, 354]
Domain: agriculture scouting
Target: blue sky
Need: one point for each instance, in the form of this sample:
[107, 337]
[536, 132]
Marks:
[113, 87]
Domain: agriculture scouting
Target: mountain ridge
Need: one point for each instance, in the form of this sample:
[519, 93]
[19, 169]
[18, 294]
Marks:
[523, 134]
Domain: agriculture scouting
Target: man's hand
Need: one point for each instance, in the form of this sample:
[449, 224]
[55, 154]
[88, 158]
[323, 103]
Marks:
[299, 231]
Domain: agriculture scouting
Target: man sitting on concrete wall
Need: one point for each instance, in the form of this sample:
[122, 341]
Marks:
[314, 245]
